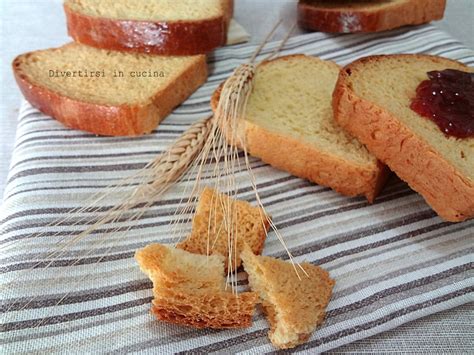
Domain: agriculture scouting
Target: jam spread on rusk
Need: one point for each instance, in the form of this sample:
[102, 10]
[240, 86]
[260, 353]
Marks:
[447, 98]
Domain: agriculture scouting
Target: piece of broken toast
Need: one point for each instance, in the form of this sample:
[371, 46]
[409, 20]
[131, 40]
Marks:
[294, 304]
[210, 229]
[190, 289]
[189, 284]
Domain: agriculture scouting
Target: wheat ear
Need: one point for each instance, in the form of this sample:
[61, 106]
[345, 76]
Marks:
[167, 168]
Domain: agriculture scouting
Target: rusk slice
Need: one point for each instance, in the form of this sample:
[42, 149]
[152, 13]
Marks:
[190, 289]
[294, 306]
[289, 124]
[86, 93]
[167, 27]
[210, 234]
[372, 102]
[346, 16]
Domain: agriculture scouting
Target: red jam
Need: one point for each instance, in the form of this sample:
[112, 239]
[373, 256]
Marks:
[447, 99]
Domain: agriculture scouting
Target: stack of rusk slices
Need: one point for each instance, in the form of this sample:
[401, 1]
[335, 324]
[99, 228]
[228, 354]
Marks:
[131, 62]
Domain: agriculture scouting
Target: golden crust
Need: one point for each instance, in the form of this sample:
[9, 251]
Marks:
[165, 38]
[411, 12]
[444, 188]
[109, 120]
[307, 162]
[304, 161]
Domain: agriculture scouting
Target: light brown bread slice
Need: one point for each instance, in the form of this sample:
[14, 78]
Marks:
[289, 124]
[210, 234]
[294, 306]
[103, 102]
[166, 27]
[345, 16]
[372, 102]
[190, 289]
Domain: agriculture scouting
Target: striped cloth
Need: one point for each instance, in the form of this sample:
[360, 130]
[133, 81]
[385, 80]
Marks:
[393, 261]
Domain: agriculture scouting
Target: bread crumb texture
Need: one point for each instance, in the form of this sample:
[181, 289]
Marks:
[190, 289]
[144, 10]
[294, 306]
[108, 88]
[289, 123]
[292, 96]
[210, 233]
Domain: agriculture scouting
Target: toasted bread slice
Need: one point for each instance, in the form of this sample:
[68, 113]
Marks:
[347, 16]
[289, 124]
[210, 234]
[372, 102]
[294, 306]
[166, 27]
[190, 289]
[81, 87]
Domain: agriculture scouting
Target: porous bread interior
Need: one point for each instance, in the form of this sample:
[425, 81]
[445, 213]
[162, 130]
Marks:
[145, 10]
[192, 272]
[222, 310]
[294, 306]
[210, 233]
[343, 5]
[391, 83]
[190, 289]
[105, 89]
[292, 96]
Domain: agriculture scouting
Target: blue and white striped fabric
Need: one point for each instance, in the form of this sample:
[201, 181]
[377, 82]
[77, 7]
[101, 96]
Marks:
[393, 261]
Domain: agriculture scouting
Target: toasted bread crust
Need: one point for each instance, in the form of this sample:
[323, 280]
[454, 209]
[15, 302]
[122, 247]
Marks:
[413, 12]
[306, 162]
[109, 120]
[444, 188]
[241, 317]
[165, 37]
